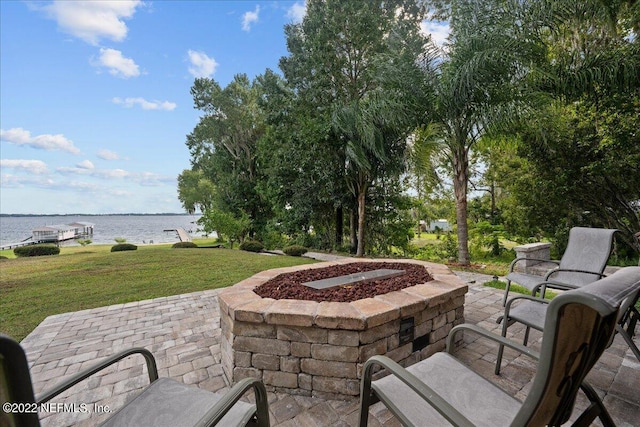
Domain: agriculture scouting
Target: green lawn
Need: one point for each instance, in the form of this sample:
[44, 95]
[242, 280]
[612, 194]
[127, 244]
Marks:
[498, 284]
[81, 278]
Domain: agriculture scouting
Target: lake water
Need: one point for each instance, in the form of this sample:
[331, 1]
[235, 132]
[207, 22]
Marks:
[137, 229]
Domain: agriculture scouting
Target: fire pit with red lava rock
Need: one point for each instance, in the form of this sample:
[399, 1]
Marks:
[303, 334]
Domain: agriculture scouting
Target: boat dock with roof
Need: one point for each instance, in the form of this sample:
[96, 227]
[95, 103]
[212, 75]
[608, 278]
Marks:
[55, 234]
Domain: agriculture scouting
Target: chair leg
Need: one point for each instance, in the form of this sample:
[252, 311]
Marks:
[629, 341]
[634, 316]
[595, 410]
[506, 293]
[526, 336]
[627, 328]
[365, 399]
[505, 325]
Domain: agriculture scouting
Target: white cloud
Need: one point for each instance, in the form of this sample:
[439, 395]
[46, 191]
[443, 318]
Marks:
[117, 64]
[22, 181]
[201, 64]
[85, 164]
[250, 18]
[108, 155]
[93, 20]
[439, 31]
[32, 166]
[141, 178]
[96, 173]
[47, 142]
[144, 104]
[297, 12]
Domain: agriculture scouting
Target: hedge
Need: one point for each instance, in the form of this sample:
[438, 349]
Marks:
[295, 250]
[123, 247]
[36, 250]
[179, 245]
[251, 246]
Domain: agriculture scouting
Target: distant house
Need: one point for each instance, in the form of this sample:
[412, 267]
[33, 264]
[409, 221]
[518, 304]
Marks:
[53, 233]
[440, 224]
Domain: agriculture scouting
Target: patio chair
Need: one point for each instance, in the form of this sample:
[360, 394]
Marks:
[531, 312]
[441, 390]
[583, 262]
[165, 402]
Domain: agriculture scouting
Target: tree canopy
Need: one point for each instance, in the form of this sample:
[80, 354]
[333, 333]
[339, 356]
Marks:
[530, 109]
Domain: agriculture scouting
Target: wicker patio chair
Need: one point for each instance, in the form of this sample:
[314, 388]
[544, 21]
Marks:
[583, 262]
[441, 390]
[165, 402]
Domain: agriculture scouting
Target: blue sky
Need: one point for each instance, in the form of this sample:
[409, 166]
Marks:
[94, 96]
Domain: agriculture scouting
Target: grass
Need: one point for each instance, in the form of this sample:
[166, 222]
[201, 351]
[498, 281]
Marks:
[498, 284]
[491, 268]
[87, 277]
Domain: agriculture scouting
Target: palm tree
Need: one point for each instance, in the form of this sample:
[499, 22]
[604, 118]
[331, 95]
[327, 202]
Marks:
[505, 58]
[479, 89]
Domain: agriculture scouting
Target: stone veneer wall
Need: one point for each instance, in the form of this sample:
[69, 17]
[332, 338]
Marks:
[317, 349]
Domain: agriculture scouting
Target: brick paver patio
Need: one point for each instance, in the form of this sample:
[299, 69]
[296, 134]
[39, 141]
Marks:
[183, 332]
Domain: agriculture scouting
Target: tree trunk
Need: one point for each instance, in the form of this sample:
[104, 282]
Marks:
[362, 192]
[353, 229]
[460, 181]
[339, 226]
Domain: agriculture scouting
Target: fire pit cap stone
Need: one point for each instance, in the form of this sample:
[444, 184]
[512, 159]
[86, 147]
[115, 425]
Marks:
[376, 311]
[291, 312]
[254, 311]
[408, 303]
[339, 315]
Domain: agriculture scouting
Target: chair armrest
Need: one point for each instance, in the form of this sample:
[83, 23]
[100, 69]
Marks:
[507, 307]
[421, 389]
[549, 283]
[515, 261]
[552, 285]
[491, 336]
[572, 270]
[220, 409]
[83, 375]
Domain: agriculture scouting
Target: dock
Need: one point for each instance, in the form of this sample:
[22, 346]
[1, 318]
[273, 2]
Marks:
[60, 233]
[54, 234]
[182, 234]
[25, 242]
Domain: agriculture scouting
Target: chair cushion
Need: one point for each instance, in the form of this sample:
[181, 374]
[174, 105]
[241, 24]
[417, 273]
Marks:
[525, 280]
[530, 313]
[483, 403]
[167, 402]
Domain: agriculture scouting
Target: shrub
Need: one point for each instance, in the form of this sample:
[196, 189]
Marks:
[184, 245]
[295, 250]
[36, 250]
[225, 224]
[123, 247]
[84, 242]
[251, 246]
[3, 257]
[272, 237]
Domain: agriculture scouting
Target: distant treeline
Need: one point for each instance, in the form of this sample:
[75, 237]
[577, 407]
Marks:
[82, 214]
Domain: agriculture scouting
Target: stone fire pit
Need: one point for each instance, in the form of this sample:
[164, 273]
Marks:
[318, 348]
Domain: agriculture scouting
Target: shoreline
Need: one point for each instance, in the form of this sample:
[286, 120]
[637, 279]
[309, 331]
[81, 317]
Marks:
[102, 246]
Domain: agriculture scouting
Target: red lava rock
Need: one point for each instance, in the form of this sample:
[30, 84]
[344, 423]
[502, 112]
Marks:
[290, 285]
